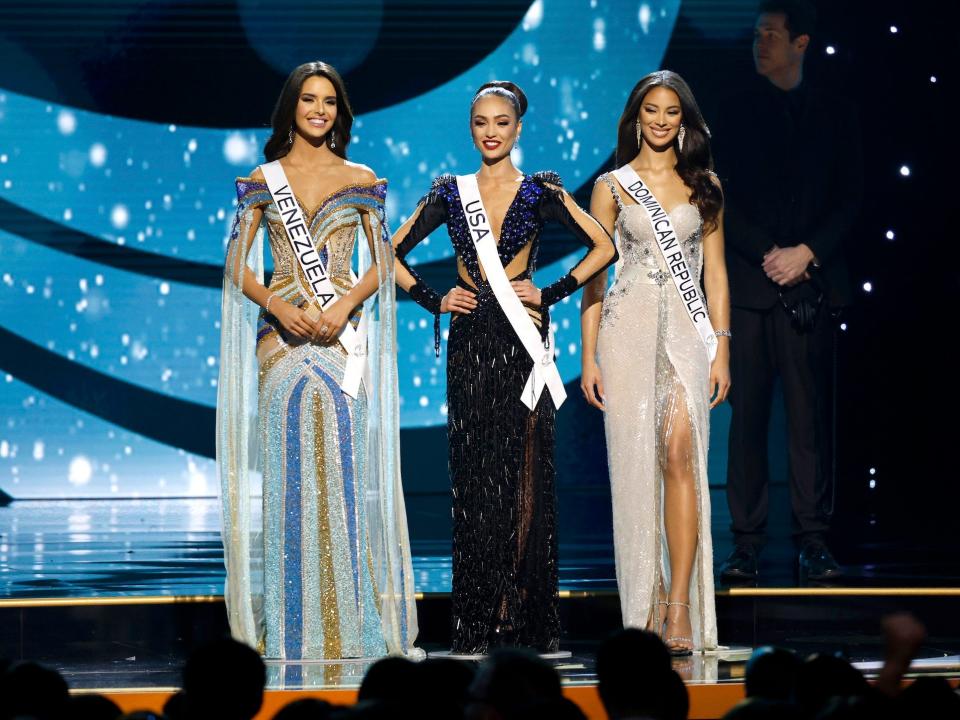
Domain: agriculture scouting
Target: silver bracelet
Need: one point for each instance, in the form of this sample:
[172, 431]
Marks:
[723, 333]
[267, 306]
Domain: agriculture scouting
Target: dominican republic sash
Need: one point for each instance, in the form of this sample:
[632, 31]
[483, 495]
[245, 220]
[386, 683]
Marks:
[354, 341]
[684, 278]
[544, 369]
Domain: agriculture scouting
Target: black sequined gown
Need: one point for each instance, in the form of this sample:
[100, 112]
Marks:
[501, 453]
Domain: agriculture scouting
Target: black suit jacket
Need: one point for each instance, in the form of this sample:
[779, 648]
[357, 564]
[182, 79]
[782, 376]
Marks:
[792, 170]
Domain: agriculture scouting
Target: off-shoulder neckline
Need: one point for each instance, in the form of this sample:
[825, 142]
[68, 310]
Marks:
[326, 198]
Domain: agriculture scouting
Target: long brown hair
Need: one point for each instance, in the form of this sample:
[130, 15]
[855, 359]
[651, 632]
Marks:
[284, 112]
[694, 161]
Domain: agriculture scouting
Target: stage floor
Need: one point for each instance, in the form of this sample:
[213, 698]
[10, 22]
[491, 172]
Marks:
[115, 594]
[97, 548]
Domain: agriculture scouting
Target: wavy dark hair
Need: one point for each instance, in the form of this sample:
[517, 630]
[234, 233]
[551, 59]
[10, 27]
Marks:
[284, 112]
[509, 91]
[695, 161]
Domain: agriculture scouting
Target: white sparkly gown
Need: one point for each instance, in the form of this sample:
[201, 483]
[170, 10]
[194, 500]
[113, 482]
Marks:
[653, 364]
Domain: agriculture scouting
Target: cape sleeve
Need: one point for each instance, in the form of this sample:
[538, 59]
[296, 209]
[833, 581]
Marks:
[237, 436]
[386, 512]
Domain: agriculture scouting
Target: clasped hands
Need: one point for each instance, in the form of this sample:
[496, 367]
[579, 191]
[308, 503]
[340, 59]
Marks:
[463, 301]
[788, 266]
[325, 329]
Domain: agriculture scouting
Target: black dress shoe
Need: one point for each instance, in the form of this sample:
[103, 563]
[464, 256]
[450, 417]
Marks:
[818, 563]
[742, 564]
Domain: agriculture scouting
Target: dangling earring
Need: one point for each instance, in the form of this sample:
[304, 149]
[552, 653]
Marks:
[680, 136]
[639, 134]
[516, 143]
[333, 140]
[290, 137]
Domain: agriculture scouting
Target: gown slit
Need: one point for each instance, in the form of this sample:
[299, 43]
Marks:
[656, 376]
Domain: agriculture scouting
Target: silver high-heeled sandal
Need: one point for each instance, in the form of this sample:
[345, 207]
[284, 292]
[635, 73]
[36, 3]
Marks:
[673, 649]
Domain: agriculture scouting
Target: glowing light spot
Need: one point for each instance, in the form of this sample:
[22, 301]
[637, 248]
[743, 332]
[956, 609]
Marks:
[119, 216]
[644, 17]
[80, 471]
[66, 122]
[905, 170]
[599, 35]
[98, 154]
[534, 16]
[868, 287]
[164, 288]
[239, 149]
[891, 235]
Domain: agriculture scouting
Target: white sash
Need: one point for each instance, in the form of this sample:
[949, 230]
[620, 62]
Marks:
[684, 278]
[544, 368]
[298, 233]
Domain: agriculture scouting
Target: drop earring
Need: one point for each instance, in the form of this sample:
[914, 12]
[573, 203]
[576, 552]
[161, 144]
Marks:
[680, 136]
[333, 140]
[639, 134]
[290, 137]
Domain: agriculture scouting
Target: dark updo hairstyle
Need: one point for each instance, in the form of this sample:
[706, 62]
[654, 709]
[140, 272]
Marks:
[695, 161]
[284, 112]
[505, 89]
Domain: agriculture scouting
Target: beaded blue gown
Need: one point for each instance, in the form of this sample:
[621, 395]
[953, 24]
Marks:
[314, 526]
[500, 453]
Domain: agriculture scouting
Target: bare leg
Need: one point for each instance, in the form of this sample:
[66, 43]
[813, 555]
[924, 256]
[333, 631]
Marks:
[680, 516]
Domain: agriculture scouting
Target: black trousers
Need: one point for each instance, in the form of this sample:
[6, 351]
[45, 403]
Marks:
[765, 345]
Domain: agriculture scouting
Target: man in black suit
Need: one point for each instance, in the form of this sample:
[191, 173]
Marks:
[789, 156]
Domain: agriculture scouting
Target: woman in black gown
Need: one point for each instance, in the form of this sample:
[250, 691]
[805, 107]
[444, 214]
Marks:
[501, 452]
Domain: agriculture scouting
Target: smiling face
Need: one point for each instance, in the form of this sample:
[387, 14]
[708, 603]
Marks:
[316, 108]
[660, 116]
[495, 126]
[773, 50]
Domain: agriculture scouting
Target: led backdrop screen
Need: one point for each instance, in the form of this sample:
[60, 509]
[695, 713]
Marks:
[122, 128]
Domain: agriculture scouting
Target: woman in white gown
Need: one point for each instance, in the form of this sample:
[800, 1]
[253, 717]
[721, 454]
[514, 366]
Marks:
[652, 363]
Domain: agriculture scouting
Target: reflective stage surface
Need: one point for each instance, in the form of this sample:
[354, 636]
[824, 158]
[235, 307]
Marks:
[97, 548]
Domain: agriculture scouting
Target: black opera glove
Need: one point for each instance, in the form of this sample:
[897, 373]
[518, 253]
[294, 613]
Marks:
[557, 291]
[430, 300]
[550, 295]
[426, 297]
